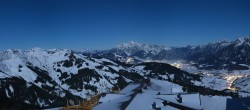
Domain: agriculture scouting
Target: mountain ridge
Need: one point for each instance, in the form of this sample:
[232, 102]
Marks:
[205, 55]
[47, 78]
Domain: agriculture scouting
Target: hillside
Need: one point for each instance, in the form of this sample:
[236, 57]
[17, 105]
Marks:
[47, 78]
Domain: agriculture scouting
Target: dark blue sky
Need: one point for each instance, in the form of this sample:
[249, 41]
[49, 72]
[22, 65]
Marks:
[101, 24]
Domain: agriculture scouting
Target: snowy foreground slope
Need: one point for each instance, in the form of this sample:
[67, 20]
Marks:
[39, 78]
[159, 91]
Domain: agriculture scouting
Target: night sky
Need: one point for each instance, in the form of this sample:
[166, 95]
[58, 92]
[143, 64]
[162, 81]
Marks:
[102, 24]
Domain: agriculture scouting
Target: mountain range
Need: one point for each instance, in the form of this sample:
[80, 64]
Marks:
[39, 78]
[44, 78]
[229, 55]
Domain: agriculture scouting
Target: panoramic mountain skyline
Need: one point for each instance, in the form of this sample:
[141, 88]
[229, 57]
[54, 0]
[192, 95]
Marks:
[134, 44]
[98, 24]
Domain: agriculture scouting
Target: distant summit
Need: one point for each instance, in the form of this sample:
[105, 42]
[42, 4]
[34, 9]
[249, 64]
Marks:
[215, 55]
[230, 55]
[130, 44]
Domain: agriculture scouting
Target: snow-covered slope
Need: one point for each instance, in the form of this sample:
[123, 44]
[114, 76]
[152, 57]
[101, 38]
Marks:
[161, 93]
[58, 73]
[47, 78]
[243, 84]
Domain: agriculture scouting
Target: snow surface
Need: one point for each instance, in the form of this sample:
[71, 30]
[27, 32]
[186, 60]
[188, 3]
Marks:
[7, 93]
[144, 100]
[112, 104]
[14, 63]
[11, 89]
[113, 101]
[159, 104]
[109, 97]
[165, 87]
[189, 100]
[213, 102]
[129, 89]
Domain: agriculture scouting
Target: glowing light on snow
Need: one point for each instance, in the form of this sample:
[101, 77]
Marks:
[230, 79]
[177, 65]
[129, 60]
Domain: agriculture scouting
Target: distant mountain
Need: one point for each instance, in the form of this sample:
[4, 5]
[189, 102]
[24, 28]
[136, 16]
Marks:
[141, 52]
[39, 78]
[231, 55]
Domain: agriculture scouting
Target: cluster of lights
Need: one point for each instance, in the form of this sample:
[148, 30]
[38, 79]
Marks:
[177, 65]
[129, 60]
[230, 79]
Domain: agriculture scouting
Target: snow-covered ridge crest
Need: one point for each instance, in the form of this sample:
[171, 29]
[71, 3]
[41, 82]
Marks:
[133, 44]
[35, 49]
[130, 44]
[242, 41]
[132, 47]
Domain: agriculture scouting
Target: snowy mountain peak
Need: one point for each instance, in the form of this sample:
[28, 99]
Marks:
[242, 41]
[134, 43]
[11, 51]
[37, 49]
[218, 44]
[223, 42]
[131, 48]
[141, 46]
[130, 44]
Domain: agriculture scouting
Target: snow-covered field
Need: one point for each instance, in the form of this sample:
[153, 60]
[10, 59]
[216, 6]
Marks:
[113, 101]
[144, 100]
[214, 102]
